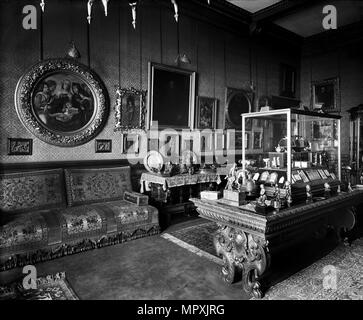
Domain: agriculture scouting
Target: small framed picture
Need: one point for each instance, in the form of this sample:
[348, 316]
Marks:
[20, 147]
[247, 140]
[169, 144]
[130, 143]
[257, 140]
[187, 144]
[287, 81]
[103, 146]
[326, 95]
[130, 109]
[206, 113]
[219, 140]
[153, 144]
[238, 140]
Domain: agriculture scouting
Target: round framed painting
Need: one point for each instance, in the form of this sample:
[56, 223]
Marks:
[62, 102]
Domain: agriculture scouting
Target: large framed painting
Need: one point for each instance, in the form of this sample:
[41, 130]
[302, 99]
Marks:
[130, 109]
[206, 115]
[326, 95]
[238, 101]
[62, 102]
[171, 97]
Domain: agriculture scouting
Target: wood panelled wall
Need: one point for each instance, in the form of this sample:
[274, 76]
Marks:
[120, 55]
[336, 55]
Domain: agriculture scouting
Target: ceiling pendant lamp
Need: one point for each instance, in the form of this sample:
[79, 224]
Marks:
[72, 51]
[42, 5]
[133, 13]
[105, 4]
[89, 10]
[208, 1]
[180, 58]
[175, 9]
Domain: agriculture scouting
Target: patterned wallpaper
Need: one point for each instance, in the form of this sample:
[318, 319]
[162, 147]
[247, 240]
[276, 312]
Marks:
[119, 54]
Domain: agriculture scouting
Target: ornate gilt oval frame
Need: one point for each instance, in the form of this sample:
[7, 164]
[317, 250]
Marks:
[24, 102]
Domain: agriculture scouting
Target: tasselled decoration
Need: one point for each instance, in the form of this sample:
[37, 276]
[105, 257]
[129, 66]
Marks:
[176, 15]
[42, 5]
[133, 12]
[105, 4]
[89, 10]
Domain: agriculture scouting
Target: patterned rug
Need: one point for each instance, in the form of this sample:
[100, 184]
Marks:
[51, 287]
[197, 239]
[337, 276]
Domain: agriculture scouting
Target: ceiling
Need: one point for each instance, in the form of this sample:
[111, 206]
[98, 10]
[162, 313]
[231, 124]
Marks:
[253, 5]
[308, 21]
[303, 18]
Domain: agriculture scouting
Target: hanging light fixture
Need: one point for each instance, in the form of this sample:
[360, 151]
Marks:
[42, 5]
[175, 9]
[72, 51]
[89, 10]
[105, 4]
[181, 58]
[133, 12]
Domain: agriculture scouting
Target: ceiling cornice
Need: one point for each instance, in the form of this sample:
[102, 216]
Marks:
[281, 9]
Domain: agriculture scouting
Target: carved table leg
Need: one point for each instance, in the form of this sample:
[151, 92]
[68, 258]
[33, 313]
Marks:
[243, 255]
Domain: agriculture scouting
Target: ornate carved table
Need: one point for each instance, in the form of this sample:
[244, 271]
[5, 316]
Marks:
[247, 241]
[171, 194]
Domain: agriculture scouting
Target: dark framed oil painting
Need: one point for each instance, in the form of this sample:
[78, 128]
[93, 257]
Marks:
[171, 97]
[287, 81]
[130, 109]
[62, 102]
[103, 145]
[206, 113]
[238, 101]
[19, 146]
[326, 95]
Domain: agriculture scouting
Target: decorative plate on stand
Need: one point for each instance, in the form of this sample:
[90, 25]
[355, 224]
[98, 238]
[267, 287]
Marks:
[154, 162]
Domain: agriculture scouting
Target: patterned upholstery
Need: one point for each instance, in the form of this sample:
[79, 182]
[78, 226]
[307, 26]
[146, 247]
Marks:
[24, 191]
[86, 186]
[23, 230]
[126, 213]
[81, 219]
[92, 219]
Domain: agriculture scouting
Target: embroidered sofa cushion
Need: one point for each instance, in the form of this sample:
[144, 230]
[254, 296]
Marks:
[86, 186]
[24, 191]
[81, 219]
[21, 231]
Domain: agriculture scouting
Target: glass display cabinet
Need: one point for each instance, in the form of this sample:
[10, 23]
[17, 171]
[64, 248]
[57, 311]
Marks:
[292, 145]
[356, 143]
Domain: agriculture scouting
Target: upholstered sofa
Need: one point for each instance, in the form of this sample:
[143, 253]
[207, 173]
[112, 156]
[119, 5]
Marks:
[52, 213]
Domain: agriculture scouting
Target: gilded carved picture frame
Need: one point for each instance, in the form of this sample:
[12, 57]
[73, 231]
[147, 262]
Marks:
[130, 109]
[62, 102]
